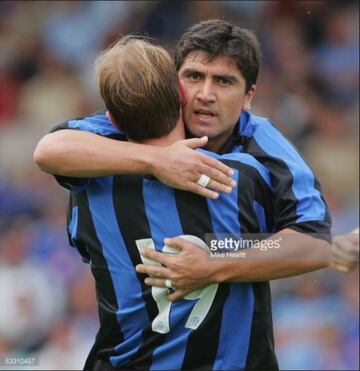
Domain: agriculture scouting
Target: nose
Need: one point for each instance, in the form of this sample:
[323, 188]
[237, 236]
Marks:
[206, 92]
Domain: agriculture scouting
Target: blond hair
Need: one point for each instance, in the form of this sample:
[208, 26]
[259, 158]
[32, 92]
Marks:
[139, 85]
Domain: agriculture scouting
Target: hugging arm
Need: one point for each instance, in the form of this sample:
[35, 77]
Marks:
[193, 268]
[90, 153]
[301, 220]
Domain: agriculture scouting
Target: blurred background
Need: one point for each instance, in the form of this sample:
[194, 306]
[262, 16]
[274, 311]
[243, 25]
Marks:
[308, 86]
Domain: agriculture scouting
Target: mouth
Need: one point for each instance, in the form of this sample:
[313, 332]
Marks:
[204, 113]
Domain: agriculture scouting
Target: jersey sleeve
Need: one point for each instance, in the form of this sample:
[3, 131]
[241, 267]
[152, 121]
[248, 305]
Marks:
[297, 196]
[97, 123]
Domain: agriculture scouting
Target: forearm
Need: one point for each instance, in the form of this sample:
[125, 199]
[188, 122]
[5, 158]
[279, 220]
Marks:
[298, 253]
[76, 153]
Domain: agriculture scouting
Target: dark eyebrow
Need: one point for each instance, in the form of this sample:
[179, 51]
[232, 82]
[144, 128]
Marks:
[227, 77]
[190, 71]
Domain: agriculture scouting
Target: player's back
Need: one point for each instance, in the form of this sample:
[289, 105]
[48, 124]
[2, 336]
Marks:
[139, 328]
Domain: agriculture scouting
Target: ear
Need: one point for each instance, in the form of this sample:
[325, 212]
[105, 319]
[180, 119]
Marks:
[248, 98]
[182, 90]
[111, 119]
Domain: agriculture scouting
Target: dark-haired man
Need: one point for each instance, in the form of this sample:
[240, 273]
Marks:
[112, 217]
[216, 105]
[218, 64]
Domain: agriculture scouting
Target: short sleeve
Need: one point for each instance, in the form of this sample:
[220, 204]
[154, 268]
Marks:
[297, 196]
[98, 124]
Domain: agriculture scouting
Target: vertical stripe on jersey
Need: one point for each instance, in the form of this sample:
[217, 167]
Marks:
[170, 354]
[260, 213]
[101, 203]
[196, 220]
[248, 218]
[264, 208]
[206, 337]
[310, 205]
[233, 345]
[161, 212]
[262, 331]
[131, 216]
[224, 211]
[254, 185]
[109, 334]
[164, 222]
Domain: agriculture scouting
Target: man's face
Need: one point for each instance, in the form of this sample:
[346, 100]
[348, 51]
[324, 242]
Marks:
[215, 96]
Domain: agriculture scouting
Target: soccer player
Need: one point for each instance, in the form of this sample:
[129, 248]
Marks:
[220, 327]
[112, 217]
[218, 64]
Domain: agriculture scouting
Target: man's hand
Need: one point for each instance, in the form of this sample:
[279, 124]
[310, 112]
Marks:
[179, 166]
[345, 252]
[187, 270]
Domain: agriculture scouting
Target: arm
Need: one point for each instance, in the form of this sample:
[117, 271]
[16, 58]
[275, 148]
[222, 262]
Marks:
[193, 268]
[75, 153]
[299, 211]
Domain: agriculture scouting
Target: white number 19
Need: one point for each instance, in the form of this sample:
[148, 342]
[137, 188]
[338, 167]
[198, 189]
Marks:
[204, 296]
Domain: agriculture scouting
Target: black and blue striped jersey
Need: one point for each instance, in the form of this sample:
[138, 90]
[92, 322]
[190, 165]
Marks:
[109, 215]
[297, 196]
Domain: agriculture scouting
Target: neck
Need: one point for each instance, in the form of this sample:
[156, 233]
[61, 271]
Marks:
[178, 133]
[216, 144]
[213, 144]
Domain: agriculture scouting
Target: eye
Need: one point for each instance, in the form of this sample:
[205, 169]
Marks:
[195, 76]
[223, 81]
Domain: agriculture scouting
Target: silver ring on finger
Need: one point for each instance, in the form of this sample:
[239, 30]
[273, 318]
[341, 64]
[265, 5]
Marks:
[168, 284]
[204, 180]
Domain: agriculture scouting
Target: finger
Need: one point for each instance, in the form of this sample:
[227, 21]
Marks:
[219, 187]
[160, 257]
[340, 267]
[344, 267]
[195, 142]
[344, 249]
[158, 282]
[152, 270]
[343, 256]
[177, 242]
[345, 243]
[218, 176]
[217, 165]
[338, 253]
[202, 191]
[172, 242]
[177, 294]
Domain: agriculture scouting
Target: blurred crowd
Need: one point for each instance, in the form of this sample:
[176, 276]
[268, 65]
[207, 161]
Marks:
[308, 86]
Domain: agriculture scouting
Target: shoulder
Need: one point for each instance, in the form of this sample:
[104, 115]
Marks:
[267, 144]
[244, 163]
[96, 123]
[265, 140]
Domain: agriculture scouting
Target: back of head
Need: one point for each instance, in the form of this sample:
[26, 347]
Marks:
[139, 85]
[219, 38]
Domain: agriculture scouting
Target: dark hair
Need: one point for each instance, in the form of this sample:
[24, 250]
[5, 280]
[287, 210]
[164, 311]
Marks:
[139, 85]
[217, 37]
